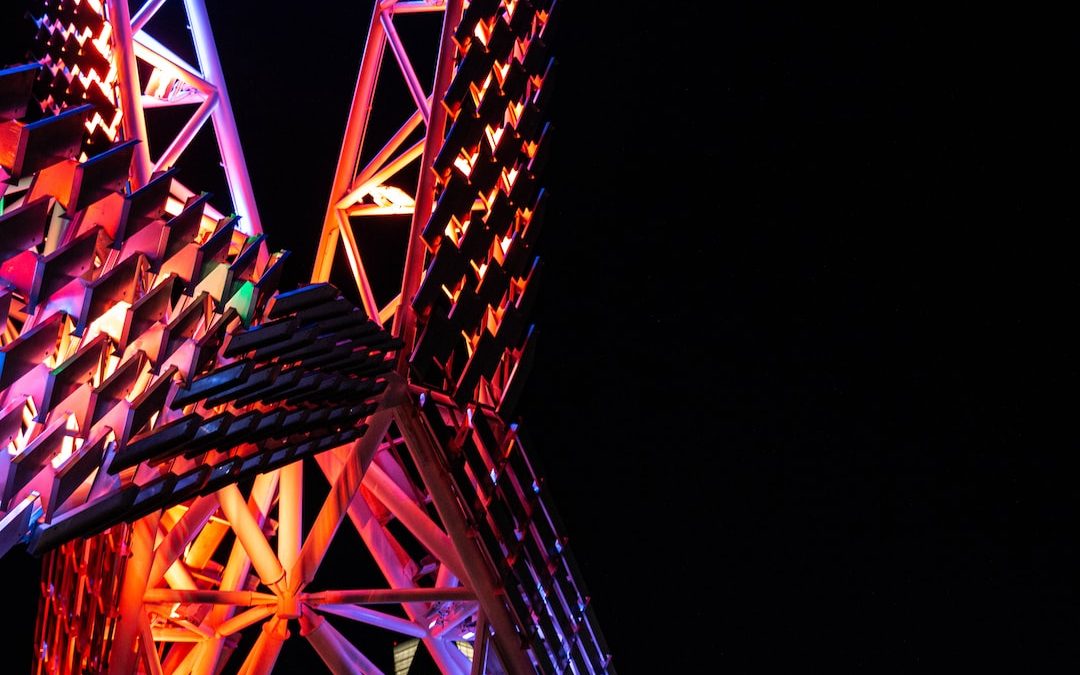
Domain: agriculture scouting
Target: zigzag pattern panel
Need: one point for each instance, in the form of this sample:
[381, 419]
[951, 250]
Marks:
[475, 340]
[72, 41]
[516, 522]
[146, 356]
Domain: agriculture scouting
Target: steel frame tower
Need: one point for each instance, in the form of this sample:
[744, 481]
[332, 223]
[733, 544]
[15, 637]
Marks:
[433, 476]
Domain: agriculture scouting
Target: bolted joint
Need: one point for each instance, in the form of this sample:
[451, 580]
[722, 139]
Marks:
[279, 630]
[278, 585]
[288, 607]
[309, 621]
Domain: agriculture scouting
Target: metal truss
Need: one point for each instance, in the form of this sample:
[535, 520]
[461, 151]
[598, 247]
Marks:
[475, 211]
[189, 608]
[422, 461]
[368, 191]
[92, 50]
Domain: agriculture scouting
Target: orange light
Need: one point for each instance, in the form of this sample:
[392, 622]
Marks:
[70, 444]
[111, 322]
[19, 441]
[482, 33]
[454, 230]
[489, 199]
[173, 207]
[110, 366]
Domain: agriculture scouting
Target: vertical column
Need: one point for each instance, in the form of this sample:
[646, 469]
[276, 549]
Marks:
[228, 138]
[122, 657]
[355, 129]
[481, 579]
[127, 78]
[290, 513]
[405, 318]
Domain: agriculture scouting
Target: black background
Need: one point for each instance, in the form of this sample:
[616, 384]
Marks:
[792, 322]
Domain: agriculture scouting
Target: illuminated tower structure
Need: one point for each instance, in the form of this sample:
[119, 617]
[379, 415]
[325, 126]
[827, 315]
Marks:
[161, 400]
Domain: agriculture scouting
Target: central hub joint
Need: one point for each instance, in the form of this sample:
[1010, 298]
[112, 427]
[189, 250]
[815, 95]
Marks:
[288, 607]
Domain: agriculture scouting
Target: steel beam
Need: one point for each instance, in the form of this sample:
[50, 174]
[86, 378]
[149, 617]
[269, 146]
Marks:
[249, 533]
[479, 577]
[228, 137]
[355, 130]
[122, 656]
[339, 655]
[413, 517]
[405, 319]
[127, 81]
[386, 596]
[290, 513]
[337, 503]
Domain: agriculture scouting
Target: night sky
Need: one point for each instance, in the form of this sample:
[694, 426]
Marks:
[785, 332]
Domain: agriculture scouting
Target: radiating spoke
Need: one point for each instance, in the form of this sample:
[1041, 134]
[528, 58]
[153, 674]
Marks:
[249, 533]
[267, 647]
[290, 513]
[375, 618]
[244, 619]
[182, 533]
[337, 503]
[387, 596]
[339, 655]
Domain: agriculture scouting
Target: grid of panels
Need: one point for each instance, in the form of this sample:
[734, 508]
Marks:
[474, 342]
[77, 611]
[476, 294]
[72, 41]
[146, 357]
[513, 515]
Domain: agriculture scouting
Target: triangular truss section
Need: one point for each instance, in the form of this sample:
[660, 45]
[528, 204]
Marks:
[92, 52]
[367, 190]
[161, 403]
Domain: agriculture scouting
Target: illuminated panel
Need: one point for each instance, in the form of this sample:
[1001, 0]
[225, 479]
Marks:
[520, 534]
[475, 342]
[80, 586]
[73, 43]
[146, 358]
[177, 370]
[481, 279]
